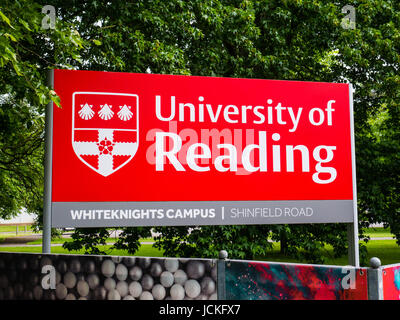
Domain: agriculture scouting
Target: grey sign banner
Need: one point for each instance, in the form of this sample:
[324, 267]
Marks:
[178, 213]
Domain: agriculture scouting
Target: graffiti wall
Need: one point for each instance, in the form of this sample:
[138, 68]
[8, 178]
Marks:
[274, 281]
[391, 282]
[70, 277]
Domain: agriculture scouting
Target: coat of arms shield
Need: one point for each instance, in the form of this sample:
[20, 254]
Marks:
[105, 134]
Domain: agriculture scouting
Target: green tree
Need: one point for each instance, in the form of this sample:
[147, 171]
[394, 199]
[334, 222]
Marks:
[290, 39]
[26, 51]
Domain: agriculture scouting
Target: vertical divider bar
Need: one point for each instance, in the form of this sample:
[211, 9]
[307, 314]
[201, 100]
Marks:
[221, 276]
[375, 280]
[48, 166]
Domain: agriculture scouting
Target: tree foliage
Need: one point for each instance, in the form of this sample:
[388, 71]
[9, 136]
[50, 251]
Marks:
[274, 39]
[26, 51]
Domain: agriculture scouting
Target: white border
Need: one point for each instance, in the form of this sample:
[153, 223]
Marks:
[137, 125]
[354, 236]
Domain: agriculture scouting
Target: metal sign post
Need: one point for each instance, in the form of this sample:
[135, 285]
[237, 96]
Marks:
[46, 235]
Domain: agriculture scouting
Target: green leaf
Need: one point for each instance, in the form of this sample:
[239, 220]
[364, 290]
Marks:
[25, 24]
[56, 100]
[10, 36]
[5, 19]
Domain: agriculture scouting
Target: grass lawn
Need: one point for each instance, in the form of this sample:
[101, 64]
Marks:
[20, 234]
[378, 232]
[386, 250]
[146, 250]
[14, 229]
[60, 240]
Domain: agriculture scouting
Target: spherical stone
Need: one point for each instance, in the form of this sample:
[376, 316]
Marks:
[58, 277]
[93, 281]
[214, 296]
[375, 262]
[177, 292]
[214, 273]
[37, 292]
[28, 295]
[108, 268]
[45, 261]
[109, 284]
[69, 280]
[80, 276]
[70, 296]
[207, 285]
[135, 289]
[83, 288]
[62, 266]
[201, 297]
[129, 261]
[49, 295]
[82, 298]
[75, 266]
[158, 292]
[180, 277]
[167, 279]
[183, 260]
[34, 263]
[223, 254]
[121, 272]
[195, 269]
[144, 262]
[192, 288]
[100, 293]
[89, 267]
[135, 273]
[22, 264]
[128, 297]
[61, 291]
[113, 295]
[146, 295]
[33, 279]
[122, 288]
[209, 264]
[117, 259]
[171, 265]
[147, 282]
[155, 269]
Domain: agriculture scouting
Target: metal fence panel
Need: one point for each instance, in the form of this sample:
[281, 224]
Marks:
[391, 282]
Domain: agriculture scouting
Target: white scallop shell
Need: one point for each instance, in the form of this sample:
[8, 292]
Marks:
[125, 113]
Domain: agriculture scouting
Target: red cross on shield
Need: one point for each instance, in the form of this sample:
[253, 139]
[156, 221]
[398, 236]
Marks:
[105, 134]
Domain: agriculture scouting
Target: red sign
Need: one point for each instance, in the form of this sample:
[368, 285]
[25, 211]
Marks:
[124, 137]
